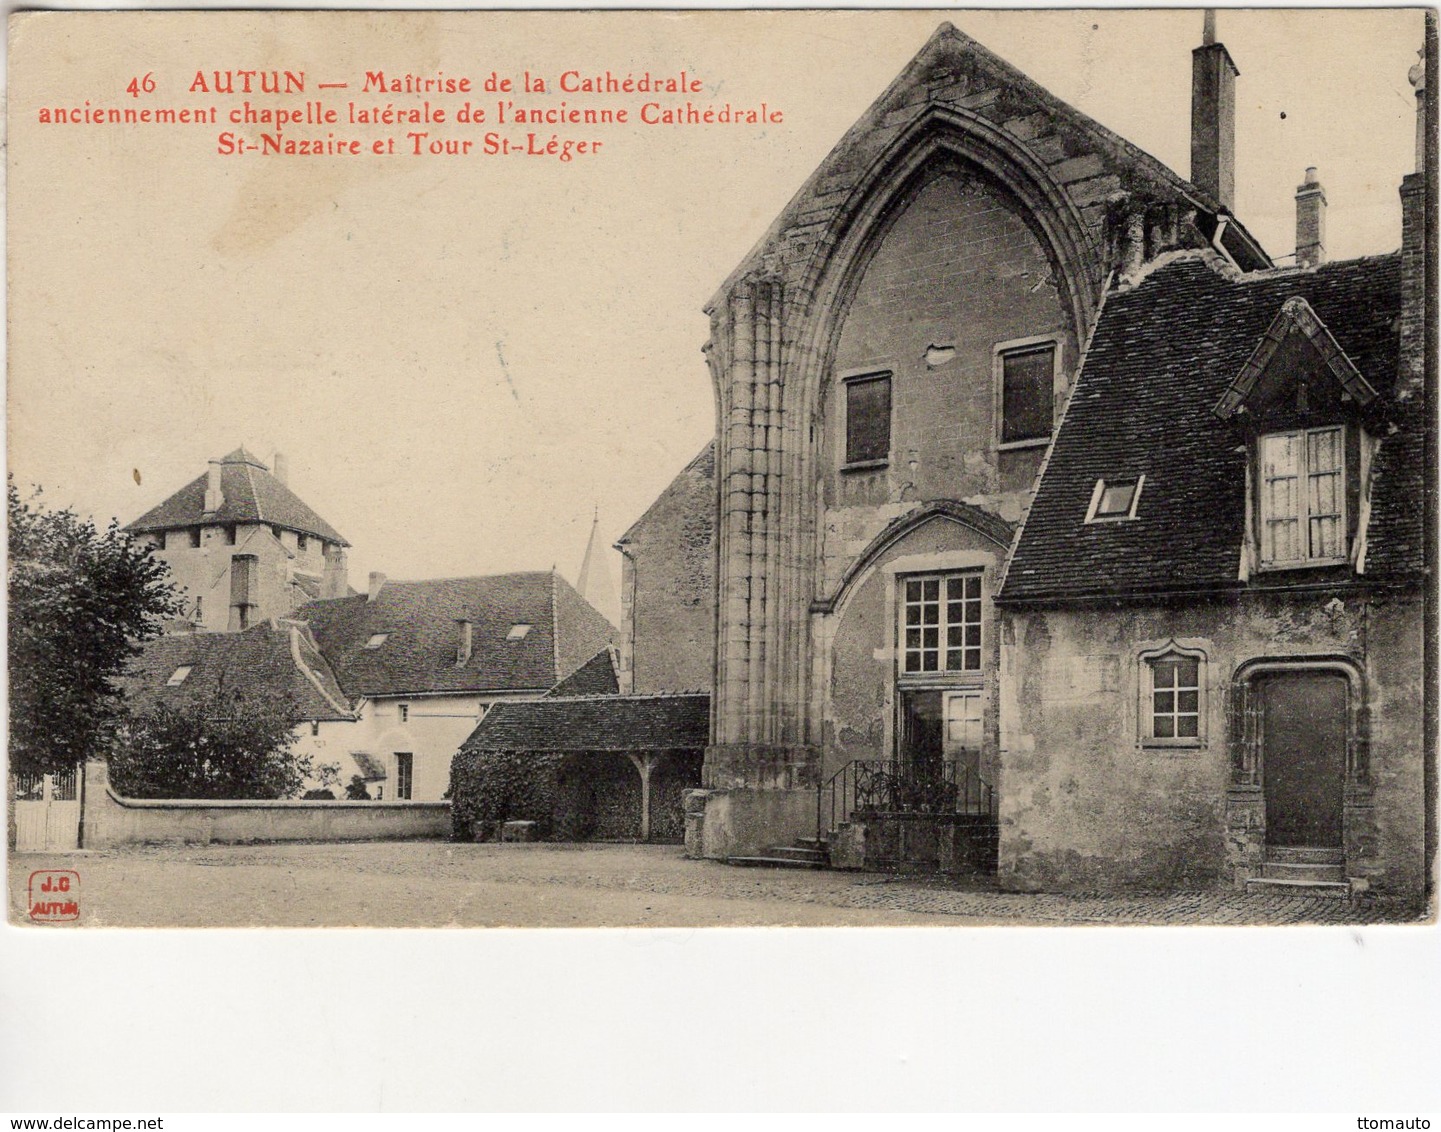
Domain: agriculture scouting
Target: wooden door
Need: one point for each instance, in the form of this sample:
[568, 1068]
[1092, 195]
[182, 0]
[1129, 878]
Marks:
[1303, 758]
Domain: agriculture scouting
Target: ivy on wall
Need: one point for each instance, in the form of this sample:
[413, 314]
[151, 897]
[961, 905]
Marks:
[489, 787]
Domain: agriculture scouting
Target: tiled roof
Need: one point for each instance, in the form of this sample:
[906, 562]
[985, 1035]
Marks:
[1162, 356]
[275, 660]
[371, 768]
[251, 495]
[420, 625]
[700, 471]
[595, 723]
[596, 677]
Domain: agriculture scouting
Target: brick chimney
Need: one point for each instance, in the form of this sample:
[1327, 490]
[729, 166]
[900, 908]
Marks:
[1310, 221]
[1416, 242]
[1213, 117]
[377, 580]
[214, 498]
[279, 468]
[464, 646]
[333, 579]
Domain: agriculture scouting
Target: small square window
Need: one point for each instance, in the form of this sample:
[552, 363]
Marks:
[301, 542]
[1115, 499]
[403, 710]
[229, 534]
[194, 537]
[376, 640]
[315, 727]
[868, 419]
[178, 676]
[517, 632]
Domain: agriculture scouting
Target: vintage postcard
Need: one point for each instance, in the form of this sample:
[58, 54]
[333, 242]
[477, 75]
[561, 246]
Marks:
[721, 469]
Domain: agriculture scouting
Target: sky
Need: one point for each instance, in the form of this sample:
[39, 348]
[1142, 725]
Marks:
[466, 358]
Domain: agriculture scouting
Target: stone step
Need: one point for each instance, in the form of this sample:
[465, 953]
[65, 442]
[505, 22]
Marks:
[1287, 870]
[1331, 890]
[775, 863]
[795, 853]
[1303, 855]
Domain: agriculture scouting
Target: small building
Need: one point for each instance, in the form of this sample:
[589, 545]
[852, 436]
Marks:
[242, 547]
[668, 586]
[424, 661]
[274, 661]
[606, 767]
[1213, 652]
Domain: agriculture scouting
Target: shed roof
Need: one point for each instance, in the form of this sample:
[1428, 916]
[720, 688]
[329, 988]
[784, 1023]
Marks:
[595, 723]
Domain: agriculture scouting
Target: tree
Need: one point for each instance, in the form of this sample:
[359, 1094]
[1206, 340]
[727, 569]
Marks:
[209, 747]
[82, 601]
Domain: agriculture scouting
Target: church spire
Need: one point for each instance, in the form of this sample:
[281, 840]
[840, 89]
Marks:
[594, 583]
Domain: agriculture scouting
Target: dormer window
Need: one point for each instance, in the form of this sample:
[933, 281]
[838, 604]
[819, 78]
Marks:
[1116, 499]
[1302, 483]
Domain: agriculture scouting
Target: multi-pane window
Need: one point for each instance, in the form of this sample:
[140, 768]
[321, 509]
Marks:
[868, 418]
[942, 624]
[404, 772]
[1175, 697]
[1303, 501]
[963, 723]
[1028, 398]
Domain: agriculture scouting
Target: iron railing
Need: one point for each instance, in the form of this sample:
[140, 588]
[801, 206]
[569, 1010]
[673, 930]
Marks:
[33, 787]
[887, 786]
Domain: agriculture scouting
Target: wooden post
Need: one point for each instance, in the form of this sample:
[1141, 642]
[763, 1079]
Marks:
[645, 764]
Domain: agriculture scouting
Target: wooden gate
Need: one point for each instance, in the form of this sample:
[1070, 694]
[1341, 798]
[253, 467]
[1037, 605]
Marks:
[47, 812]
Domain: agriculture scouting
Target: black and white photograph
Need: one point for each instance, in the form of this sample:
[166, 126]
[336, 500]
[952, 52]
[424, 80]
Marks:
[682, 470]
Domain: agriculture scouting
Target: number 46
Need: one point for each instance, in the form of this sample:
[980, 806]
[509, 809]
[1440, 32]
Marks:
[136, 86]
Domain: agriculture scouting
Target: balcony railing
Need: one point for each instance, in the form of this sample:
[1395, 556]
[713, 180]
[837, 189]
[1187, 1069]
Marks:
[882, 786]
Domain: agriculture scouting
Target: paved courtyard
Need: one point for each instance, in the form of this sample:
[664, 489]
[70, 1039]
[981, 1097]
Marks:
[436, 884]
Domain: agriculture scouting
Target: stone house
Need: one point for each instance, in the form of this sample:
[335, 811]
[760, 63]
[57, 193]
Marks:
[276, 660]
[242, 547]
[668, 586]
[893, 362]
[422, 662]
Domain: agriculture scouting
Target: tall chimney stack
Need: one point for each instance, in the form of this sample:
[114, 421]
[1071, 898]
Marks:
[466, 643]
[214, 498]
[377, 580]
[1417, 241]
[333, 581]
[1310, 221]
[280, 469]
[1213, 117]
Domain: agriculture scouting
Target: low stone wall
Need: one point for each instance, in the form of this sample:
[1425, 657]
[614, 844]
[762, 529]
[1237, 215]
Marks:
[951, 844]
[110, 820]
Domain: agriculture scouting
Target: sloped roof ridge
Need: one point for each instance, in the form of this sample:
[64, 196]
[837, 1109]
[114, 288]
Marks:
[609, 697]
[243, 456]
[707, 452]
[460, 578]
[1107, 138]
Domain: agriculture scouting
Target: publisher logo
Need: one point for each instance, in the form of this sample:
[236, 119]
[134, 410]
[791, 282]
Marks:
[54, 895]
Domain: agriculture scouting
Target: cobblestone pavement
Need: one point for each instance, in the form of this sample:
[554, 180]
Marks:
[426, 884]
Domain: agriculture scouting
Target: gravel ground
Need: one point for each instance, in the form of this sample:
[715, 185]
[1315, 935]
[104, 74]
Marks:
[436, 884]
